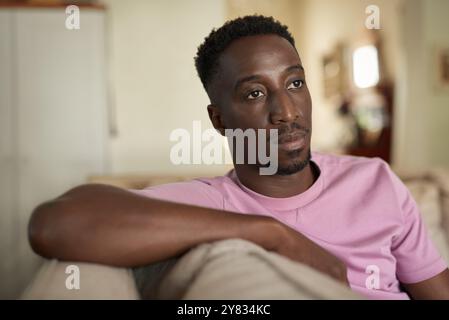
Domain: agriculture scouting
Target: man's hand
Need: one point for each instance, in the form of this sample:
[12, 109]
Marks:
[295, 246]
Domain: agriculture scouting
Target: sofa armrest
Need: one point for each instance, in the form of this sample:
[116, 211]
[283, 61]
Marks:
[95, 282]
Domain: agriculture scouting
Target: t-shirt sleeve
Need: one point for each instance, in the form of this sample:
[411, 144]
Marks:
[195, 192]
[416, 255]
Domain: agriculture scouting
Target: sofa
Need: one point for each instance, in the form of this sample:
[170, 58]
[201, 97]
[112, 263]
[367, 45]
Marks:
[228, 269]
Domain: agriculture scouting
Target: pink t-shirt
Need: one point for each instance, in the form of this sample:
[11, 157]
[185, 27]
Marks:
[357, 209]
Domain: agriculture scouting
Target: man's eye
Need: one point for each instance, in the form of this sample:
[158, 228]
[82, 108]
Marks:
[296, 84]
[255, 94]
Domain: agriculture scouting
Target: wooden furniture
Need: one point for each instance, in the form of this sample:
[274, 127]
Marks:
[382, 146]
[371, 99]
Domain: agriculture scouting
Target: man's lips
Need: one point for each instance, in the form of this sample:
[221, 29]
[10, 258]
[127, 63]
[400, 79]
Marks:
[292, 141]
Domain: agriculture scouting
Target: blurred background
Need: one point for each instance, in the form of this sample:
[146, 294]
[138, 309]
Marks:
[98, 103]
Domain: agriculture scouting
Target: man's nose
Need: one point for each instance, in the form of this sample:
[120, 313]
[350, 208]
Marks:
[283, 109]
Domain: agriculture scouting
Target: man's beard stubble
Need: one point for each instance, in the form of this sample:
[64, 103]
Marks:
[296, 166]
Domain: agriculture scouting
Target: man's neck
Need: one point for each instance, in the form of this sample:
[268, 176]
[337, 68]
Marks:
[277, 186]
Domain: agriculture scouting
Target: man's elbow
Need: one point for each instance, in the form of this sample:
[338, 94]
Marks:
[54, 225]
[40, 229]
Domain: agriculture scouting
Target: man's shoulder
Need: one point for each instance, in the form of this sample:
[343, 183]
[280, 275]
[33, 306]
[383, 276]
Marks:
[192, 184]
[349, 162]
[198, 191]
[374, 172]
[368, 174]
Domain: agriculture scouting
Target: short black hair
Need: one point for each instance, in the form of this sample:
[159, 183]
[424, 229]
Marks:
[206, 60]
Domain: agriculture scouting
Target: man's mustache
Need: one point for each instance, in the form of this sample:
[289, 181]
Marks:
[293, 128]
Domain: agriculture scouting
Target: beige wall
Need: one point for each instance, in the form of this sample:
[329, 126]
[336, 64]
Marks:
[155, 88]
[423, 125]
[279, 9]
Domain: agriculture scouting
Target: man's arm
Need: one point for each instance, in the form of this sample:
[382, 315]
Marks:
[435, 288]
[109, 225]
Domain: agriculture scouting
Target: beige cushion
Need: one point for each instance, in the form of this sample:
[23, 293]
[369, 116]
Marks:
[237, 269]
[96, 282]
[441, 176]
[427, 197]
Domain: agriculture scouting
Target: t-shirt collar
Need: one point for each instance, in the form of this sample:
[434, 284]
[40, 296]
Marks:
[288, 203]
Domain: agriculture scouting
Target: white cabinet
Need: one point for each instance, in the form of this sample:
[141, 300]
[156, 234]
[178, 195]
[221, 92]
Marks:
[53, 121]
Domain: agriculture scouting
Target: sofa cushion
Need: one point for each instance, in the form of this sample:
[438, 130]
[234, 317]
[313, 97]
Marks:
[95, 282]
[441, 177]
[238, 269]
[427, 196]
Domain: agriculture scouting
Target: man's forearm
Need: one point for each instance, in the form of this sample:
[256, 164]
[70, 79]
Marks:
[104, 224]
[435, 288]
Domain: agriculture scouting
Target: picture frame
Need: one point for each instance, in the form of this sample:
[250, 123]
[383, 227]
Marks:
[334, 72]
[441, 68]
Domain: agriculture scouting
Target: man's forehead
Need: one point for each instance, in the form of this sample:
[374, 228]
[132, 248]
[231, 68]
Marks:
[261, 53]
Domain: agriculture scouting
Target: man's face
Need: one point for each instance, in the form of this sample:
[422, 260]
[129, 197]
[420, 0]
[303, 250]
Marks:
[261, 85]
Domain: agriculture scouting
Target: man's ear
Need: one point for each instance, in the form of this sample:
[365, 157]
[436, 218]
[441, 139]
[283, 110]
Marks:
[216, 118]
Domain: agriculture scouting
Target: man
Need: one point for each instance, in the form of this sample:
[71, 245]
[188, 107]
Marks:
[348, 217]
